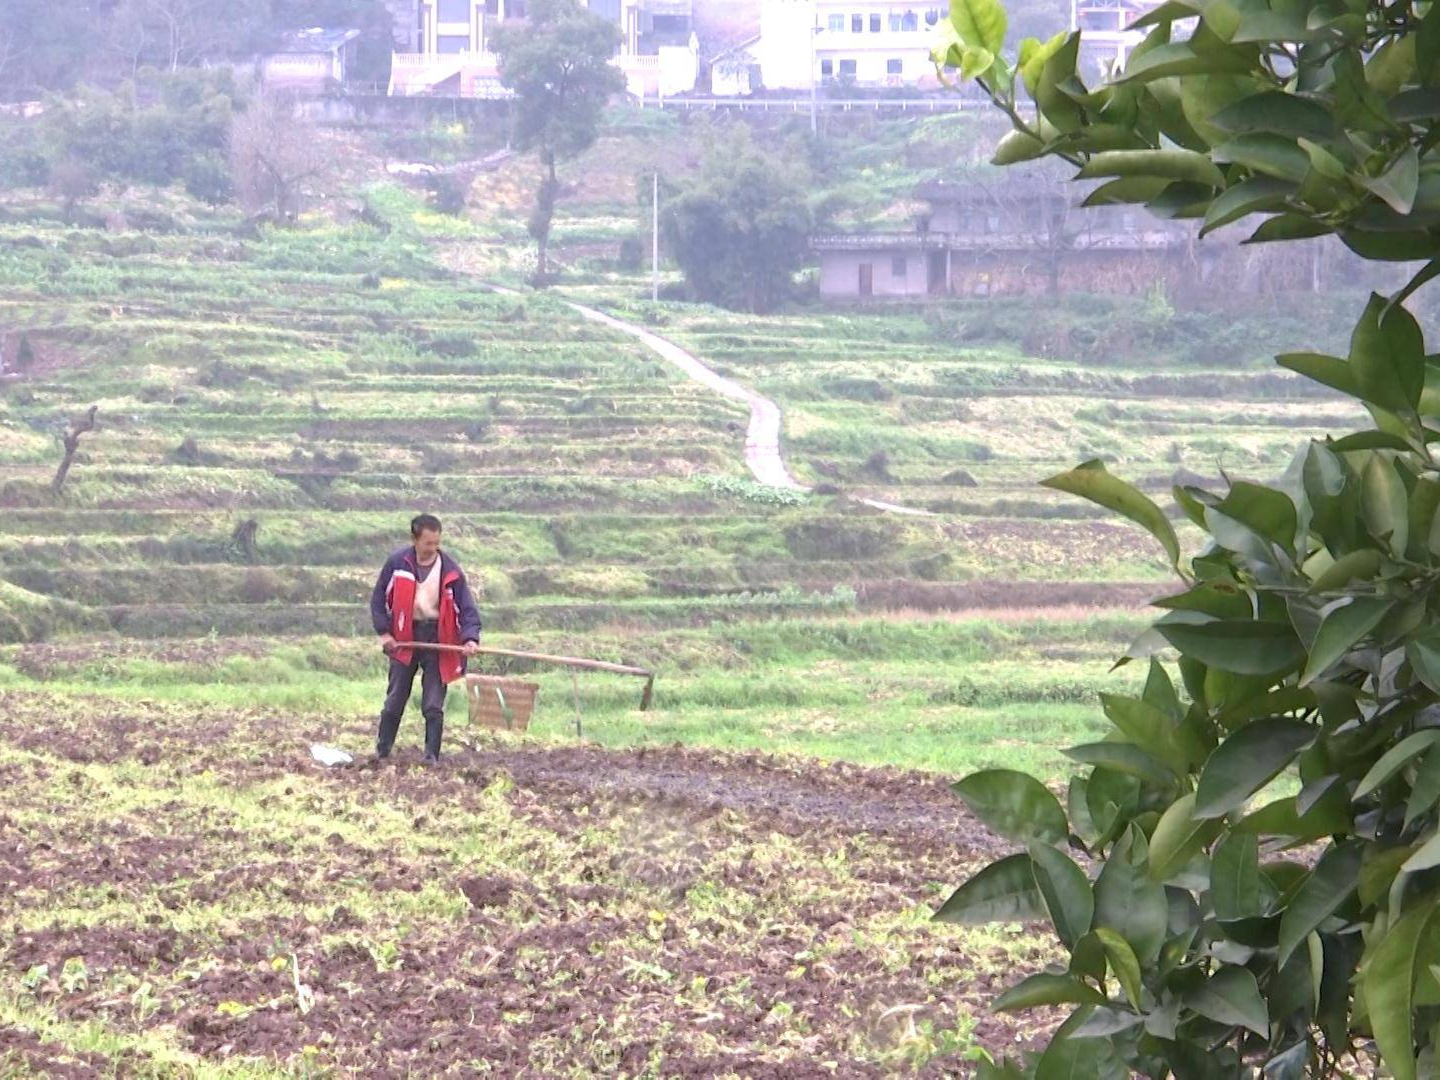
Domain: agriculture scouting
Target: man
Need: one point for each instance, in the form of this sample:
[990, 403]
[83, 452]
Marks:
[421, 597]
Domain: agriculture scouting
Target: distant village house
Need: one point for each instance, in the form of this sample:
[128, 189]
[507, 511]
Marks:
[1028, 237]
[446, 46]
[805, 43]
[310, 61]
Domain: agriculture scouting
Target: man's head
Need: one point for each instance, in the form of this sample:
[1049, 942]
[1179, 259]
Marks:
[425, 531]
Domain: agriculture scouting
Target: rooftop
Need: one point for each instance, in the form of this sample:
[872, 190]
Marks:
[316, 39]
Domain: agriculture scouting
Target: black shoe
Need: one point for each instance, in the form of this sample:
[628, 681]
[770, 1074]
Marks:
[432, 759]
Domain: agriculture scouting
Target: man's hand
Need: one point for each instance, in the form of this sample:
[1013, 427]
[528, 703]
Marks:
[387, 642]
[471, 648]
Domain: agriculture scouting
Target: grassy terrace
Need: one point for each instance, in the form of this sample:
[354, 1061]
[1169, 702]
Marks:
[325, 384]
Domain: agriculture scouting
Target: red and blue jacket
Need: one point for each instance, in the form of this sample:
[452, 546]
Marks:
[392, 609]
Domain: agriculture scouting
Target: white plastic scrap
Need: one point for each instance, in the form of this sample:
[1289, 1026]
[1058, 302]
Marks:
[329, 756]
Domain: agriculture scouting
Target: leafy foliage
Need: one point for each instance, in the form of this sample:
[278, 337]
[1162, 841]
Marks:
[1306, 630]
[559, 67]
[741, 228]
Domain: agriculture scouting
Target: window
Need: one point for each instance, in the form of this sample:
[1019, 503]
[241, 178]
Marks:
[857, 24]
[899, 266]
[836, 24]
[909, 21]
[874, 24]
[894, 67]
[895, 21]
[454, 11]
[454, 43]
[847, 69]
[827, 68]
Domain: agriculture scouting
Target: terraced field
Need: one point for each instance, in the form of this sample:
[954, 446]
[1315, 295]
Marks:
[186, 893]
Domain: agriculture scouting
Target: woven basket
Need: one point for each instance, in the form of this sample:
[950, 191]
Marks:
[500, 703]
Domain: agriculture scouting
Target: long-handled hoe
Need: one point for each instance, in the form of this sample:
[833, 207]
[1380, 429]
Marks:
[504, 703]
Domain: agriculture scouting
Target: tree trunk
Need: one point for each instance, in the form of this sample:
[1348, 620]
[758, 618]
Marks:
[72, 444]
[544, 215]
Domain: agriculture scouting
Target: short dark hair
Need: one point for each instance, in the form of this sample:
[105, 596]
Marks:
[424, 523]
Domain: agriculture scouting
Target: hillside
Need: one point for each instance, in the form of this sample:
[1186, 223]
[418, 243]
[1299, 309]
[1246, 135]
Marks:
[189, 892]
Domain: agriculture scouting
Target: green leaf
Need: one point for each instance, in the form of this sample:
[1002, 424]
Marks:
[1154, 732]
[1180, 58]
[1241, 646]
[1423, 652]
[1289, 227]
[1329, 885]
[1282, 818]
[1091, 481]
[1066, 892]
[980, 24]
[1359, 565]
[1426, 857]
[1125, 758]
[1384, 505]
[1017, 146]
[1016, 806]
[1236, 885]
[1398, 184]
[1425, 792]
[1279, 114]
[1130, 902]
[1368, 440]
[1070, 1058]
[1396, 758]
[1123, 963]
[1004, 891]
[1178, 838]
[1388, 975]
[1047, 989]
[1127, 190]
[1270, 155]
[1340, 629]
[1247, 761]
[1329, 371]
[1264, 511]
[1387, 353]
[1247, 197]
[1170, 164]
[1232, 997]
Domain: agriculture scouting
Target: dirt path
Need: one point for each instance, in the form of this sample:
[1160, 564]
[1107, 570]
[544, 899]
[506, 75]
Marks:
[762, 440]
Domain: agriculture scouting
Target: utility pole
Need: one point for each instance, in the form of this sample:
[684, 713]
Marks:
[814, 73]
[655, 241]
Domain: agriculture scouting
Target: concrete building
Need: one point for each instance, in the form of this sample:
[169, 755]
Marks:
[1019, 237]
[802, 43]
[309, 61]
[1106, 40]
[446, 48]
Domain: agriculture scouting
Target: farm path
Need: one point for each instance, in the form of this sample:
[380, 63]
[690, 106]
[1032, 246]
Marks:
[762, 439]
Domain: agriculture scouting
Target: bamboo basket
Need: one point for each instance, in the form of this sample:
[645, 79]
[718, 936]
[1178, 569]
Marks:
[500, 703]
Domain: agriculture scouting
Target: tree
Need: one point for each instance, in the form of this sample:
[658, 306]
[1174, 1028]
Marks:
[274, 157]
[741, 228]
[1305, 635]
[559, 66]
[70, 442]
[173, 33]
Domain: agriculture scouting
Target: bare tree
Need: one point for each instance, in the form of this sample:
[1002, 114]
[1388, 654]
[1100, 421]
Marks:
[9, 50]
[71, 440]
[274, 157]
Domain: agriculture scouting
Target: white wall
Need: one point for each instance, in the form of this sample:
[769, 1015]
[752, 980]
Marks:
[784, 46]
[840, 274]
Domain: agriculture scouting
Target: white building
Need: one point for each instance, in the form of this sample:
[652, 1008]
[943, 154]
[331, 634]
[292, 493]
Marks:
[1107, 41]
[449, 52]
[803, 43]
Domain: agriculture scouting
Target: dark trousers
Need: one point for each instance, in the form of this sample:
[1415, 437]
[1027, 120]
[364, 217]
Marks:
[432, 695]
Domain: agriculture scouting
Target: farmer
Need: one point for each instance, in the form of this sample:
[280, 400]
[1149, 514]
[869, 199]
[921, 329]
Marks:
[421, 596]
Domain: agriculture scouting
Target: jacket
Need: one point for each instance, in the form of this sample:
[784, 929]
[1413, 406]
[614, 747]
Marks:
[392, 609]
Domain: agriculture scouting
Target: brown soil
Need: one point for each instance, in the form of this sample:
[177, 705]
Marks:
[539, 974]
